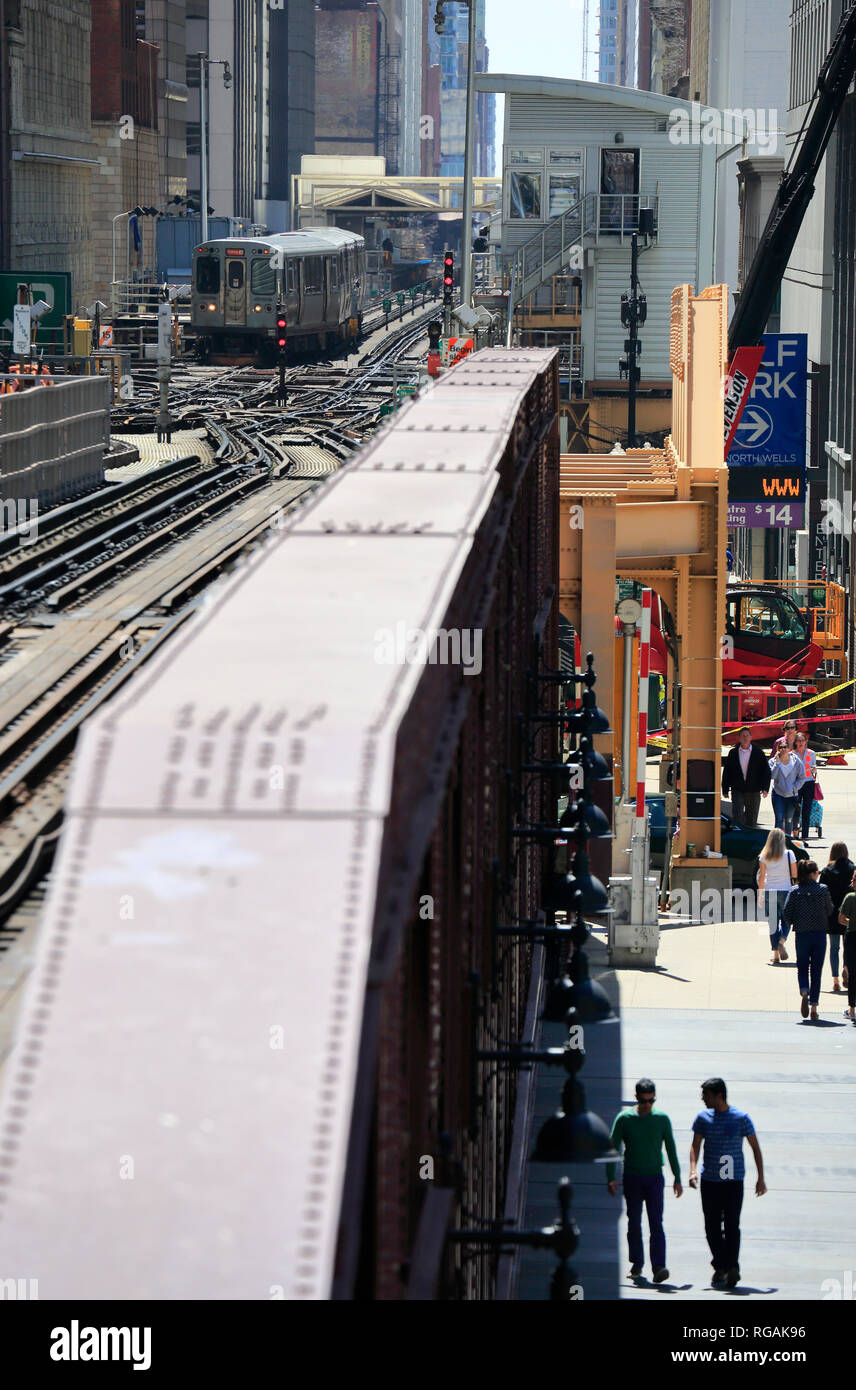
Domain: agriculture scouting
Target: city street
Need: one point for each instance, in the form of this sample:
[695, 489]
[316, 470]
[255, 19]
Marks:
[713, 1006]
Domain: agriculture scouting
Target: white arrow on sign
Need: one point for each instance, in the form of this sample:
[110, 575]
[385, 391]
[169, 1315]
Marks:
[755, 427]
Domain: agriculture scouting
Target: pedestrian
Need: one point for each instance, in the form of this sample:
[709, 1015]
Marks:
[789, 733]
[787, 776]
[806, 797]
[837, 875]
[721, 1128]
[809, 910]
[847, 919]
[643, 1131]
[777, 873]
[746, 775]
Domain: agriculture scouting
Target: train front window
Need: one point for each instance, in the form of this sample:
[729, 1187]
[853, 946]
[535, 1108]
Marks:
[208, 275]
[263, 276]
[235, 275]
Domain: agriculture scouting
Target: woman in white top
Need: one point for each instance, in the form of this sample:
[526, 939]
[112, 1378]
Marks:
[777, 873]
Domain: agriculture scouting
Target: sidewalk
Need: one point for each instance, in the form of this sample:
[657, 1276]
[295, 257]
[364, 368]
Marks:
[714, 1006]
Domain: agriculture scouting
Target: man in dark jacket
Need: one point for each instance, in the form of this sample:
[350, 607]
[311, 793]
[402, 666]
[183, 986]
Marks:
[747, 776]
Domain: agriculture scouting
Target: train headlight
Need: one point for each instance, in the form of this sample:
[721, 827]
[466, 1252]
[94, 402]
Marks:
[212, 307]
[257, 308]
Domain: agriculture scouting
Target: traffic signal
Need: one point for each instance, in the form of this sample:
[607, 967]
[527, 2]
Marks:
[448, 276]
[434, 331]
[280, 328]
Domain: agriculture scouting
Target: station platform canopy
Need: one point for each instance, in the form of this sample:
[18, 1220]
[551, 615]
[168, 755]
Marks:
[354, 187]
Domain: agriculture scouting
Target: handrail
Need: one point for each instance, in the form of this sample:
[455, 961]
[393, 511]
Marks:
[594, 215]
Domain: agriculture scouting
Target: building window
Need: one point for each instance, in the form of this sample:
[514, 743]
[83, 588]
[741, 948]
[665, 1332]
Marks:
[569, 157]
[194, 138]
[526, 157]
[525, 195]
[564, 192]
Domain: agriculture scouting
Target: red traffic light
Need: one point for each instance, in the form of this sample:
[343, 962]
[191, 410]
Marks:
[280, 328]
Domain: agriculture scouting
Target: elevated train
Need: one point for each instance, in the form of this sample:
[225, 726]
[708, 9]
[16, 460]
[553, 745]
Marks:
[318, 275]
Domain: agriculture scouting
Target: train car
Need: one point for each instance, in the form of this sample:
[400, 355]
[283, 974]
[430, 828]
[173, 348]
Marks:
[318, 275]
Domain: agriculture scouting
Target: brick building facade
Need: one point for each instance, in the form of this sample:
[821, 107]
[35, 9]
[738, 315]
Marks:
[124, 111]
[52, 156]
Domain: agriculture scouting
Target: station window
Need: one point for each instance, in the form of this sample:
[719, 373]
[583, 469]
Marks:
[570, 158]
[313, 275]
[208, 275]
[525, 195]
[526, 157]
[262, 276]
[564, 192]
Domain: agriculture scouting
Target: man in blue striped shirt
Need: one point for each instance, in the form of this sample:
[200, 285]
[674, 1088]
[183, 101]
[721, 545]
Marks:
[722, 1128]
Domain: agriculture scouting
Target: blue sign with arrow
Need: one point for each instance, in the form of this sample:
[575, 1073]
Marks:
[772, 429]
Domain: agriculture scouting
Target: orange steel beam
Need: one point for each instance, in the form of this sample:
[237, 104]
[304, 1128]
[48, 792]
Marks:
[660, 517]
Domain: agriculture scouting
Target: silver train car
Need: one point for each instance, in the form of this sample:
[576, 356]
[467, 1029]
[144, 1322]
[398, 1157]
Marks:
[319, 275]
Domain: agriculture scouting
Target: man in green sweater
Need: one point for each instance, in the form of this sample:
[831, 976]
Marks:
[643, 1131]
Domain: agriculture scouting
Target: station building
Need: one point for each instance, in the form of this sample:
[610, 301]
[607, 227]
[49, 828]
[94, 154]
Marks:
[598, 156]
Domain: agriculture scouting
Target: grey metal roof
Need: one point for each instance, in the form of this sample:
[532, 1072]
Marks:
[516, 84]
[176, 1113]
[319, 239]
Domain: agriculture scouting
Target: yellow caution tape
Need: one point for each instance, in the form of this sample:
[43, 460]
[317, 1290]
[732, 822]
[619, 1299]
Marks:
[823, 695]
[781, 715]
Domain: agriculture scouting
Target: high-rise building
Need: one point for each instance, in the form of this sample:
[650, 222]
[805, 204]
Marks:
[124, 123]
[164, 24]
[611, 42]
[356, 81]
[645, 44]
[259, 126]
[47, 154]
[449, 51]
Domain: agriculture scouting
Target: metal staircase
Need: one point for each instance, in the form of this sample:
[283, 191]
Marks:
[598, 217]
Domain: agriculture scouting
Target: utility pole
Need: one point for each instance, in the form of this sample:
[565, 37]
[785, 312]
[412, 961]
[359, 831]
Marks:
[634, 311]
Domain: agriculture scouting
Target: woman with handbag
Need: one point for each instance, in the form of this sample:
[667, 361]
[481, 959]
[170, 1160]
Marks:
[777, 873]
[806, 795]
[837, 876]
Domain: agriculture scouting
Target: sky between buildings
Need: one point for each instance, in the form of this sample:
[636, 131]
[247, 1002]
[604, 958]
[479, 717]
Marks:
[542, 37]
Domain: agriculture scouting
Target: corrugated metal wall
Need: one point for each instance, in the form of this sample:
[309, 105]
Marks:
[53, 438]
[669, 171]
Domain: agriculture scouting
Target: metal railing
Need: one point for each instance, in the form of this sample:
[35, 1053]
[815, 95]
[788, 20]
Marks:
[144, 296]
[53, 438]
[612, 217]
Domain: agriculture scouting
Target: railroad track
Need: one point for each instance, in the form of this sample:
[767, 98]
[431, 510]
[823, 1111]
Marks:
[112, 575]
